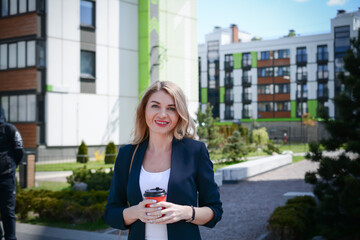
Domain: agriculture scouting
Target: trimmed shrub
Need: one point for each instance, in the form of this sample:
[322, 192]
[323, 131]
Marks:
[260, 136]
[110, 153]
[82, 155]
[294, 221]
[98, 180]
[271, 148]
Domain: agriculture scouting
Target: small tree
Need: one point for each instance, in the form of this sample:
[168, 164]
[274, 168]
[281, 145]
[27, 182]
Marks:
[244, 132]
[235, 147]
[207, 128]
[260, 137]
[337, 180]
[82, 155]
[110, 153]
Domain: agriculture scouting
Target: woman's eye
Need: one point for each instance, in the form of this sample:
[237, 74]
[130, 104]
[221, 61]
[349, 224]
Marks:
[154, 106]
[172, 109]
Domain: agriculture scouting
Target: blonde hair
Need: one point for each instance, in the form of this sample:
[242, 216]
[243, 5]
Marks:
[185, 126]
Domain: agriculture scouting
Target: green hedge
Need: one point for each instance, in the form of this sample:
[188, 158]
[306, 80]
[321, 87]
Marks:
[66, 206]
[294, 221]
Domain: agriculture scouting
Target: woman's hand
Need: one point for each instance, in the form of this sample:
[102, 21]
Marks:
[172, 213]
[141, 212]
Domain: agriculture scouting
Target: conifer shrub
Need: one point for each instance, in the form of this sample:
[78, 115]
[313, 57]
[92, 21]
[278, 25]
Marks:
[110, 153]
[82, 154]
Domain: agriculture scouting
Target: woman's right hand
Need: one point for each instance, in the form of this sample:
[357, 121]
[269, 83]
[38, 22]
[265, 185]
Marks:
[141, 212]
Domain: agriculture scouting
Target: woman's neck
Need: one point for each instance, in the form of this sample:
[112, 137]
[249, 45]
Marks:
[160, 143]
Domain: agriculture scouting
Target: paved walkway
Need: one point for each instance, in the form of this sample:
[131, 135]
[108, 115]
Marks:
[247, 207]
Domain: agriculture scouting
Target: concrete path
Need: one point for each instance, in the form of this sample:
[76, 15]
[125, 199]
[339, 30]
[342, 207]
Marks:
[247, 207]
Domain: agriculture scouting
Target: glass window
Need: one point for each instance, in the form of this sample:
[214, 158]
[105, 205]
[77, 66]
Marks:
[87, 64]
[41, 53]
[21, 54]
[32, 5]
[3, 56]
[31, 53]
[265, 106]
[265, 55]
[13, 7]
[4, 8]
[13, 109]
[22, 6]
[87, 13]
[31, 108]
[12, 55]
[5, 105]
[22, 108]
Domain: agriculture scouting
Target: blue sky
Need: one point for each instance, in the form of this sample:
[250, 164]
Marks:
[270, 18]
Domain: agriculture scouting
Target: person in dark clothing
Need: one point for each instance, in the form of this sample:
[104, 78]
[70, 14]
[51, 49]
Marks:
[11, 153]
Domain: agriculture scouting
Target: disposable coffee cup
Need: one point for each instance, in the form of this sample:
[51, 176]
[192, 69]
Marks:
[158, 194]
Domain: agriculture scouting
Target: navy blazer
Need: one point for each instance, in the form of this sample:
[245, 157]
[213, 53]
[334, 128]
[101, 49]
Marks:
[191, 182]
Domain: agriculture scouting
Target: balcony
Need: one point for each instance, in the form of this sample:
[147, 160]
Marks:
[246, 98]
[300, 112]
[323, 94]
[301, 59]
[229, 65]
[246, 63]
[301, 77]
[303, 96]
[322, 75]
[229, 99]
[229, 114]
[246, 113]
[246, 81]
[229, 82]
[322, 57]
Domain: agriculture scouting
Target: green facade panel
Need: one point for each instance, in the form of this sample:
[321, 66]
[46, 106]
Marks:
[204, 95]
[293, 109]
[222, 94]
[254, 59]
[312, 107]
[237, 60]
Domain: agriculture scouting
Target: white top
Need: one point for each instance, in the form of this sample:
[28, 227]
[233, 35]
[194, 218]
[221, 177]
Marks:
[149, 180]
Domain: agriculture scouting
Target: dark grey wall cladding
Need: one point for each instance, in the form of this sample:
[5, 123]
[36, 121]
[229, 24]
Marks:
[87, 86]
[88, 36]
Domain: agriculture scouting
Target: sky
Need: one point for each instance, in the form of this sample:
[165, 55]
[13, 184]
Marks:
[270, 18]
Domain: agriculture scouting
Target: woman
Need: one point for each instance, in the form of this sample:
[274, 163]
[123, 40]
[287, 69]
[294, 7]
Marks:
[169, 158]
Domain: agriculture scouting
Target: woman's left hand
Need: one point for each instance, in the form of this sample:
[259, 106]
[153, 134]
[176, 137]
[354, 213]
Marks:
[172, 213]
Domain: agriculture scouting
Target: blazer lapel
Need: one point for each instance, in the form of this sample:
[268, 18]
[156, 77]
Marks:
[171, 194]
[135, 173]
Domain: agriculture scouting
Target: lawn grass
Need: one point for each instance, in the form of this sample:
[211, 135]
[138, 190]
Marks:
[71, 166]
[87, 226]
[50, 185]
[298, 159]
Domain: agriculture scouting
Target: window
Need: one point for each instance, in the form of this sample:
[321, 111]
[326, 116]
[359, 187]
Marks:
[265, 106]
[282, 71]
[301, 108]
[265, 72]
[247, 112]
[87, 72]
[246, 60]
[301, 73]
[284, 53]
[301, 91]
[281, 106]
[266, 89]
[15, 7]
[19, 108]
[229, 62]
[322, 90]
[282, 88]
[322, 53]
[18, 55]
[265, 55]
[301, 56]
[87, 13]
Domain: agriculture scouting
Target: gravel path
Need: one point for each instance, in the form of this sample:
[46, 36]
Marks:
[248, 204]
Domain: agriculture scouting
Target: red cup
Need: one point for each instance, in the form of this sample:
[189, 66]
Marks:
[157, 194]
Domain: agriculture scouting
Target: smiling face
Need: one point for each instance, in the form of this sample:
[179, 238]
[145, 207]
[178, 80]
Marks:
[160, 113]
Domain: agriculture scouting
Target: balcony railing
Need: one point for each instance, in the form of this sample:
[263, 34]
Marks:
[229, 98]
[323, 93]
[323, 75]
[299, 96]
[300, 112]
[301, 58]
[229, 82]
[246, 97]
[229, 114]
[247, 114]
[322, 57]
[301, 77]
[229, 64]
[246, 80]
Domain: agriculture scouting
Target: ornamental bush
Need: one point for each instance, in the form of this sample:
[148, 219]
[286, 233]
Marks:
[82, 154]
[98, 180]
[110, 153]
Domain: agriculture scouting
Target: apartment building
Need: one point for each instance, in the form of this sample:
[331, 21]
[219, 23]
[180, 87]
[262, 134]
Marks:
[274, 81]
[74, 70]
